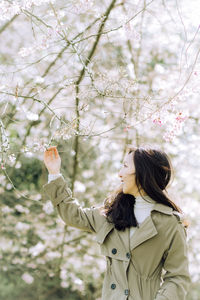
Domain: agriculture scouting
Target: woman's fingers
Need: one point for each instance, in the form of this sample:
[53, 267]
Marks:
[52, 160]
[48, 153]
[51, 153]
[56, 153]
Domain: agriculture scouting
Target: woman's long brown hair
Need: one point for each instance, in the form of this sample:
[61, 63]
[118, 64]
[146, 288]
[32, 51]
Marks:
[153, 172]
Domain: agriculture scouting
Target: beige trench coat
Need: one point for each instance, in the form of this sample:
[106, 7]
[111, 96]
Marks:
[134, 265]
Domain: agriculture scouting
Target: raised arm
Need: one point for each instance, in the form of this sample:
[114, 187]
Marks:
[87, 219]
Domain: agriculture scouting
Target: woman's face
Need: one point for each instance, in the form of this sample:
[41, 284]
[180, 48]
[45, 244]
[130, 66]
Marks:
[127, 175]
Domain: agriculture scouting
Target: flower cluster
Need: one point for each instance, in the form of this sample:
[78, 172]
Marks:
[44, 44]
[158, 121]
[175, 127]
[83, 6]
[27, 278]
[9, 10]
[131, 33]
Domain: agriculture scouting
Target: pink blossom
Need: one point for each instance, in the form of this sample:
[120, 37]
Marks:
[127, 128]
[169, 136]
[175, 127]
[180, 118]
[158, 121]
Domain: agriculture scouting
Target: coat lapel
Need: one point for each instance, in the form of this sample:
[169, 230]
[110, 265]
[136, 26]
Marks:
[103, 232]
[124, 239]
[147, 228]
[120, 238]
[146, 231]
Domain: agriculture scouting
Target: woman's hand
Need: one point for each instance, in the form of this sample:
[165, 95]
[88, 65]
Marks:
[52, 160]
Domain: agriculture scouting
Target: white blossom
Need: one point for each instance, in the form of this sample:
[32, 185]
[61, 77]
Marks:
[18, 165]
[131, 32]
[9, 186]
[79, 187]
[21, 209]
[88, 173]
[78, 281]
[48, 208]
[5, 244]
[6, 209]
[52, 255]
[32, 116]
[39, 79]
[37, 249]
[8, 10]
[27, 278]
[12, 157]
[22, 226]
[23, 52]
[81, 6]
[64, 284]
[63, 274]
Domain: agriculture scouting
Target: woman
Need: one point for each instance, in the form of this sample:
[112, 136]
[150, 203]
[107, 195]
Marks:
[139, 228]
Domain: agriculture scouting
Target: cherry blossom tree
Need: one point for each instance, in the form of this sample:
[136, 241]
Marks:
[90, 77]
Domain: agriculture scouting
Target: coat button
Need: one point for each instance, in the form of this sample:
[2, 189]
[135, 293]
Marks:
[128, 255]
[126, 292]
[113, 286]
[114, 251]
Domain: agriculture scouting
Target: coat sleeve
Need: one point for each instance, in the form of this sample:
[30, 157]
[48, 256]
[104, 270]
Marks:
[87, 219]
[176, 280]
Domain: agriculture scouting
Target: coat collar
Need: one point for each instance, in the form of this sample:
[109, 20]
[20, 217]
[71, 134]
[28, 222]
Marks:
[162, 208]
[157, 206]
[146, 230]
